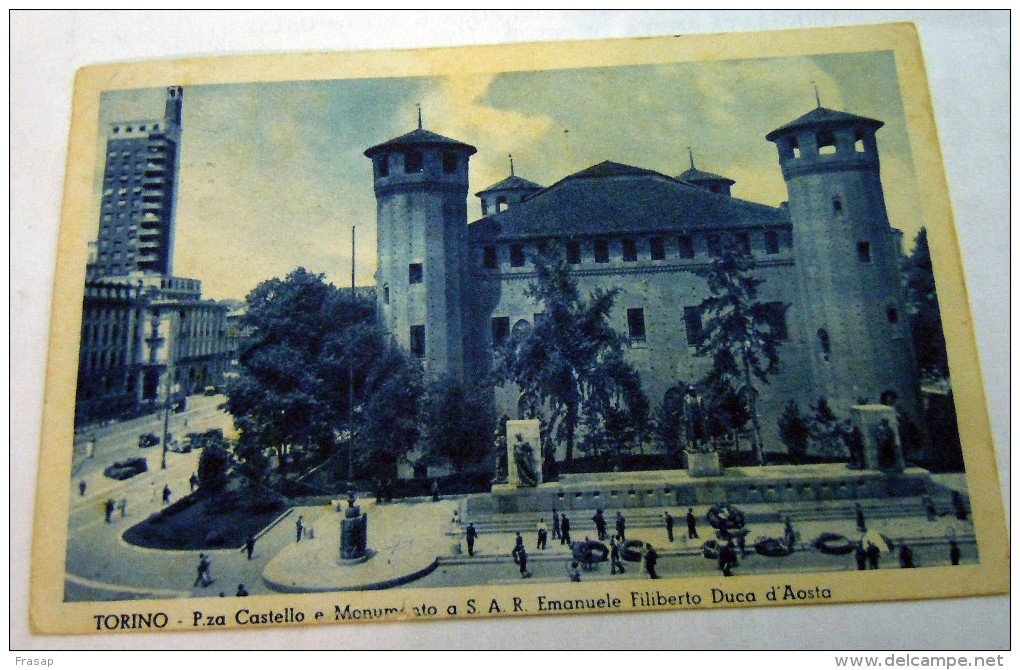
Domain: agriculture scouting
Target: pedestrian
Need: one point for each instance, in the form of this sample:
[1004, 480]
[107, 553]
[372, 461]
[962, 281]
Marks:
[669, 526]
[108, 506]
[435, 490]
[954, 553]
[789, 535]
[861, 556]
[193, 481]
[874, 553]
[861, 525]
[203, 578]
[621, 527]
[556, 525]
[299, 527]
[614, 557]
[692, 524]
[522, 560]
[727, 559]
[241, 591]
[471, 534]
[81, 488]
[574, 572]
[543, 534]
[122, 507]
[651, 558]
[564, 530]
[600, 524]
[959, 506]
[166, 494]
[906, 556]
[249, 546]
[518, 548]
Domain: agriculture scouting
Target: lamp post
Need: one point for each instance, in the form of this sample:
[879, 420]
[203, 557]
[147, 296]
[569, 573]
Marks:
[171, 344]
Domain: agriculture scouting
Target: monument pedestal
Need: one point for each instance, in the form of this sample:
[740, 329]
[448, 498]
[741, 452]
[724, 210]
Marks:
[880, 437]
[703, 464]
[353, 536]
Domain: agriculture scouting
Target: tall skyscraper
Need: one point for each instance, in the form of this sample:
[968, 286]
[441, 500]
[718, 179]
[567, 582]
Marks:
[139, 193]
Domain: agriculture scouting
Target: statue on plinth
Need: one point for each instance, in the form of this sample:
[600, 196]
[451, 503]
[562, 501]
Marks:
[353, 533]
[524, 457]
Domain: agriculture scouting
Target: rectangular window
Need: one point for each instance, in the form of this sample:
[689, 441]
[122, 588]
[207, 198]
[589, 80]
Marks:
[686, 246]
[743, 243]
[516, 255]
[489, 258]
[864, 252]
[771, 242]
[414, 273]
[449, 162]
[413, 162]
[601, 251]
[774, 316]
[658, 248]
[629, 250]
[714, 246]
[383, 165]
[573, 252]
[692, 322]
[500, 329]
[636, 324]
[418, 341]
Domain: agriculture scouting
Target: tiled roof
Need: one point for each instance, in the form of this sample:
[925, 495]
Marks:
[822, 116]
[695, 175]
[512, 183]
[613, 198]
[418, 138]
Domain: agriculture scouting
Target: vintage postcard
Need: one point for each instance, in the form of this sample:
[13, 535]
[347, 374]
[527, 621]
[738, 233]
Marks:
[581, 327]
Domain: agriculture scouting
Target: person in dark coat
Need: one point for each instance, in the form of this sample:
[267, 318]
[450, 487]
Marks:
[669, 525]
[621, 527]
[241, 591]
[81, 488]
[564, 530]
[108, 506]
[522, 560]
[543, 534]
[556, 524]
[600, 524]
[692, 524]
[166, 494]
[861, 556]
[471, 534]
[861, 525]
[874, 553]
[727, 559]
[954, 553]
[614, 557]
[203, 578]
[518, 549]
[249, 546]
[299, 527]
[906, 556]
[651, 558]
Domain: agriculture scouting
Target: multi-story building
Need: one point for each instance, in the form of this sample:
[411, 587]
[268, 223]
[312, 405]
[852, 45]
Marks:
[828, 260]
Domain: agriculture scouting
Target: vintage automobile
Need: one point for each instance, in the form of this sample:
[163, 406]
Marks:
[126, 469]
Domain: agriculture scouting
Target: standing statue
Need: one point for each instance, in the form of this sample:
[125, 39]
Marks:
[524, 457]
[885, 441]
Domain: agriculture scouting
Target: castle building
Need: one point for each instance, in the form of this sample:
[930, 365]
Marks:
[145, 334]
[450, 290]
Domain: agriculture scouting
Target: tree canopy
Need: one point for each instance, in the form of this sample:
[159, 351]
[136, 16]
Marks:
[925, 316]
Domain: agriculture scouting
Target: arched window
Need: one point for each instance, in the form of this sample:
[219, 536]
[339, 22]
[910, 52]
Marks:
[501, 203]
[826, 142]
[521, 328]
[823, 343]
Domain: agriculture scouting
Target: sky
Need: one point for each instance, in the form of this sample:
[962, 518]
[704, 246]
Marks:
[273, 175]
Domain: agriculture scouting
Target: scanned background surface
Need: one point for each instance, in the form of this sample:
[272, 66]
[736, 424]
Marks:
[969, 97]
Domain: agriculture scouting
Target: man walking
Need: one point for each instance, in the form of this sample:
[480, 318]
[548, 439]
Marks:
[600, 524]
[564, 530]
[299, 527]
[874, 553]
[614, 557]
[651, 558]
[669, 526]
[471, 534]
[621, 527]
[203, 578]
[522, 560]
[81, 488]
[543, 534]
[122, 507]
[692, 524]
[108, 506]
[249, 546]
[906, 556]
[166, 494]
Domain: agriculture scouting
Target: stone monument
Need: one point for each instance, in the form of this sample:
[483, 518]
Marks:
[353, 533]
[524, 458]
[880, 437]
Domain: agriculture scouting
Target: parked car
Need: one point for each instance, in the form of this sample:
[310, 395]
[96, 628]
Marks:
[126, 469]
[147, 440]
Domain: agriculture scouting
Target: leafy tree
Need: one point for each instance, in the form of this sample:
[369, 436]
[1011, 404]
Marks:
[671, 426]
[390, 427]
[795, 431]
[213, 468]
[455, 425]
[925, 317]
[293, 391]
[571, 359]
[738, 324]
[829, 433]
